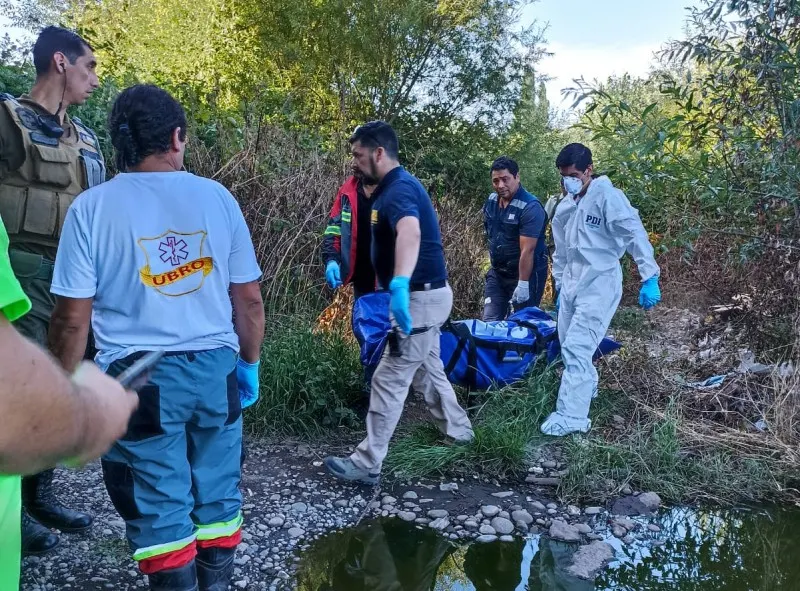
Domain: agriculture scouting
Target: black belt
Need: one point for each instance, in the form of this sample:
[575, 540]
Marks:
[427, 286]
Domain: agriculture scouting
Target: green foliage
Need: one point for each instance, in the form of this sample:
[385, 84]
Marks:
[307, 380]
[533, 141]
[712, 146]
[16, 79]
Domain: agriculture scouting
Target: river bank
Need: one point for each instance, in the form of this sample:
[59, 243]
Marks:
[289, 501]
[658, 426]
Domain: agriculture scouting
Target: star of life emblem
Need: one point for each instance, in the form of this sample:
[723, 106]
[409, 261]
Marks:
[175, 262]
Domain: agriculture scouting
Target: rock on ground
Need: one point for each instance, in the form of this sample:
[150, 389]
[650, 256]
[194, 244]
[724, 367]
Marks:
[522, 516]
[590, 559]
[650, 500]
[502, 525]
[560, 530]
[490, 511]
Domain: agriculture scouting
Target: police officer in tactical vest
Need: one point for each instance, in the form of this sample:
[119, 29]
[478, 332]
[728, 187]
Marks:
[46, 160]
[515, 222]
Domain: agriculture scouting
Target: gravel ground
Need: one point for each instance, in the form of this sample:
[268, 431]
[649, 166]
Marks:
[289, 501]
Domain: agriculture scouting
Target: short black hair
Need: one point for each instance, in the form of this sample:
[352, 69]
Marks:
[141, 123]
[56, 39]
[576, 155]
[377, 134]
[506, 163]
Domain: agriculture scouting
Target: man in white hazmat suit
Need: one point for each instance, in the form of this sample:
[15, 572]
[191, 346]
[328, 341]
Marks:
[593, 227]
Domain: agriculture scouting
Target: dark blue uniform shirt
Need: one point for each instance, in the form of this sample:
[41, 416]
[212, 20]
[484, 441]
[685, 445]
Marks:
[523, 216]
[398, 195]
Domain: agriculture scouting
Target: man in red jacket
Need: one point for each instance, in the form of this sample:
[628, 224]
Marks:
[346, 250]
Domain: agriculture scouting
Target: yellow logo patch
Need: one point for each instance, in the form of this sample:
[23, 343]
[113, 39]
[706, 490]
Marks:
[374, 216]
[175, 262]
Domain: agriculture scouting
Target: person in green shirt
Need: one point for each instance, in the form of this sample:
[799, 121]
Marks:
[46, 416]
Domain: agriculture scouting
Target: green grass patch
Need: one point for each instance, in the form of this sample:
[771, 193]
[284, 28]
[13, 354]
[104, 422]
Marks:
[307, 380]
[506, 425]
[653, 456]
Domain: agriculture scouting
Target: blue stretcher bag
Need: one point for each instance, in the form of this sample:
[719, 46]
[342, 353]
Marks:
[475, 354]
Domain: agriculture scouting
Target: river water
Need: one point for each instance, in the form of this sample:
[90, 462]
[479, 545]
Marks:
[734, 550]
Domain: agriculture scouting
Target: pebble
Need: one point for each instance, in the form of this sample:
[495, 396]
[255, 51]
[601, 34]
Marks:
[628, 524]
[552, 506]
[589, 559]
[561, 530]
[573, 510]
[542, 481]
[650, 500]
[471, 524]
[440, 524]
[485, 539]
[437, 513]
[537, 506]
[502, 525]
[653, 527]
[549, 464]
[295, 532]
[299, 507]
[487, 530]
[619, 531]
[411, 496]
[522, 516]
[503, 495]
[593, 510]
[276, 522]
[406, 515]
[490, 511]
[387, 500]
[340, 503]
[448, 487]
[626, 490]
[583, 528]
[506, 538]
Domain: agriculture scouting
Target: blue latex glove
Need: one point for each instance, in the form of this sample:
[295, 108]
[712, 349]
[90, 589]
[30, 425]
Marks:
[333, 275]
[247, 375]
[399, 302]
[650, 294]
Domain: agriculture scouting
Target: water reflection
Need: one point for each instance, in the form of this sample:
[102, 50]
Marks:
[707, 550]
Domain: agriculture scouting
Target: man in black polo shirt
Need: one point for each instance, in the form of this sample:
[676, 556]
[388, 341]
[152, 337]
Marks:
[408, 259]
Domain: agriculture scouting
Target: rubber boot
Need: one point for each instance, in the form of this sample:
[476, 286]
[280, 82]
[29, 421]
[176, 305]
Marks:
[183, 578]
[36, 539]
[39, 500]
[215, 568]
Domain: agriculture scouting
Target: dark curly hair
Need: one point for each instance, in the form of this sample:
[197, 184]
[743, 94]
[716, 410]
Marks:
[141, 124]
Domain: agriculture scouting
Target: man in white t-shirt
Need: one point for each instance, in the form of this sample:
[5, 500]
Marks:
[151, 256]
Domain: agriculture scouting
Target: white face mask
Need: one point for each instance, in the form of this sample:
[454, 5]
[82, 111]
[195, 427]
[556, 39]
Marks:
[572, 185]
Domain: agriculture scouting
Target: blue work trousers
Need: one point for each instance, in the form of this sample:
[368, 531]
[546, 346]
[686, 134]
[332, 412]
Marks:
[174, 476]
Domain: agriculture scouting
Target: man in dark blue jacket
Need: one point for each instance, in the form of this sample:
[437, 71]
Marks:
[408, 259]
[515, 223]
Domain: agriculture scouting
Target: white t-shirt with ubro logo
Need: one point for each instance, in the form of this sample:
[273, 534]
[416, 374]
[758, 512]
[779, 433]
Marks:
[157, 251]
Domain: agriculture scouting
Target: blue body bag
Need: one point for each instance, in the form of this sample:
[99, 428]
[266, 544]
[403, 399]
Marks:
[475, 354]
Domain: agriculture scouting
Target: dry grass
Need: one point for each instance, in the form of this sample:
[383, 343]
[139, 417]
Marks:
[286, 189]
